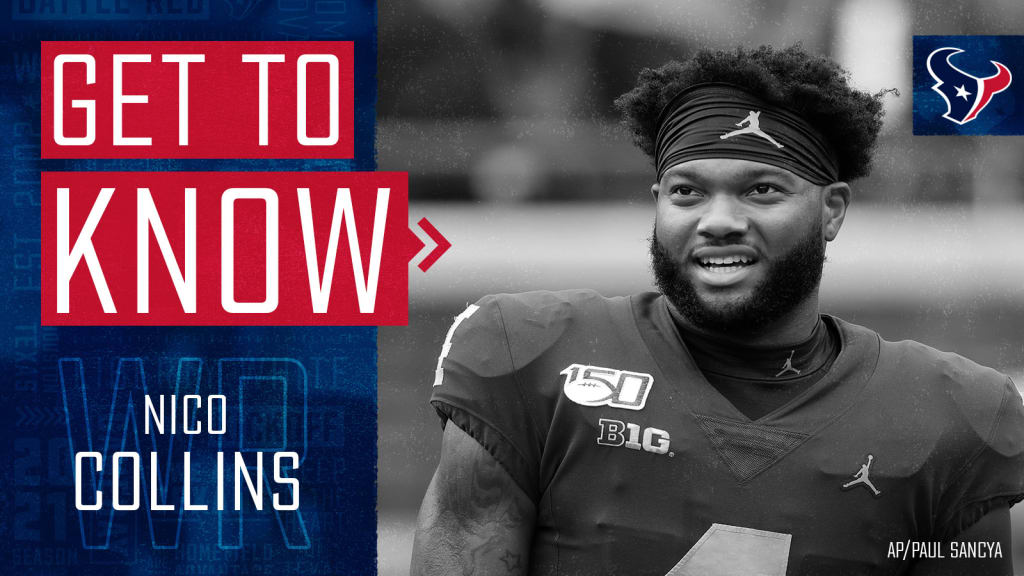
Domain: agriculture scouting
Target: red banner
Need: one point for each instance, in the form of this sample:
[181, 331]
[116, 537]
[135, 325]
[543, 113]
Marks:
[225, 248]
[197, 99]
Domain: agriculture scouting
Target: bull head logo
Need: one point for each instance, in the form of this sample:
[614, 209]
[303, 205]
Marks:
[965, 95]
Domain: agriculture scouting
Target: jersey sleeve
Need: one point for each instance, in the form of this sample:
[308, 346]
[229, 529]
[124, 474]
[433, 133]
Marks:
[993, 477]
[476, 387]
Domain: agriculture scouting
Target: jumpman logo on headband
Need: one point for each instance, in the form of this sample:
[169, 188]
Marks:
[788, 366]
[753, 127]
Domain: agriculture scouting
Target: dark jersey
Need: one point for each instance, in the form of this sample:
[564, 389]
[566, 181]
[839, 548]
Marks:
[637, 465]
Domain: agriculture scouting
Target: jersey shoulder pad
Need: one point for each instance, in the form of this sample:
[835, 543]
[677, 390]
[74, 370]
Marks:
[970, 392]
[486, 377]
[980, 448]
[502, 333]
[535, 321]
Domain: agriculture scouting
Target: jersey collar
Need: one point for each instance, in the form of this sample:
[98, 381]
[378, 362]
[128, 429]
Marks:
[818, 406]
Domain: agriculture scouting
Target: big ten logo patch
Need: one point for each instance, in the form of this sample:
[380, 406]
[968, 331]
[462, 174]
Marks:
[633, 436]
[597, 386]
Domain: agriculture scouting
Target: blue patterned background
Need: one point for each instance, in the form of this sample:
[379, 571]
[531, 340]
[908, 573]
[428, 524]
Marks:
[322, 381]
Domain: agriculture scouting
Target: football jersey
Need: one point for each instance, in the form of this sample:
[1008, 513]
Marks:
[637, 465]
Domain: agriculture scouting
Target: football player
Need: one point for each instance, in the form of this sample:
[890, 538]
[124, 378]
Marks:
[723, 426]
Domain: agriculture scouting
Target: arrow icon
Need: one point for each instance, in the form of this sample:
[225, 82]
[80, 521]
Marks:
[442, 244]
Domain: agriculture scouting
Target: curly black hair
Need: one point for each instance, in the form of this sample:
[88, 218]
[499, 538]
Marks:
[815, 87]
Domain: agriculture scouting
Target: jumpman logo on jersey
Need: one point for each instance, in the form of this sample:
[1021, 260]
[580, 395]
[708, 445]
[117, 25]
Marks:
[753, 127]
[788, 366]
[861, 477]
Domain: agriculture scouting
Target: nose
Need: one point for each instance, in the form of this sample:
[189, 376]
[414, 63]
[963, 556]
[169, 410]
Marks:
[723, 218]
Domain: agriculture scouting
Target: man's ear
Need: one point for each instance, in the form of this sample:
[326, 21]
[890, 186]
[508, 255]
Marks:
[655, 189]
[836, 198]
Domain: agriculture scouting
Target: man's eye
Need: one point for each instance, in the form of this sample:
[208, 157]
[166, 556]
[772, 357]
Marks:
[684, 191]
[762, 189]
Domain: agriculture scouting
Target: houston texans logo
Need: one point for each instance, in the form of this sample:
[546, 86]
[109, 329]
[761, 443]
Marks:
[965, 95]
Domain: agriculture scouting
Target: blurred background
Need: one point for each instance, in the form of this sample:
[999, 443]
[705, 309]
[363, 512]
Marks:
[501, 113]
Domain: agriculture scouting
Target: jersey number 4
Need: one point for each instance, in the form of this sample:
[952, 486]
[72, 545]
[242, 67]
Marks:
[734, 551]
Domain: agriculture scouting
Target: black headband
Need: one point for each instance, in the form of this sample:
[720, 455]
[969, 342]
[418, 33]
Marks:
[718, 120]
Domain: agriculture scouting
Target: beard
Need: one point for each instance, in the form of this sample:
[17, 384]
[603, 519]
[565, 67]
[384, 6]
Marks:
[790, 279]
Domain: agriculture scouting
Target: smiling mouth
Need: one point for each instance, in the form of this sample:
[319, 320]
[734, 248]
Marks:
[725, 264]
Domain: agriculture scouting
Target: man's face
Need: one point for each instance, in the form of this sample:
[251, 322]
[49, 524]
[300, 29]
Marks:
[739, 244]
